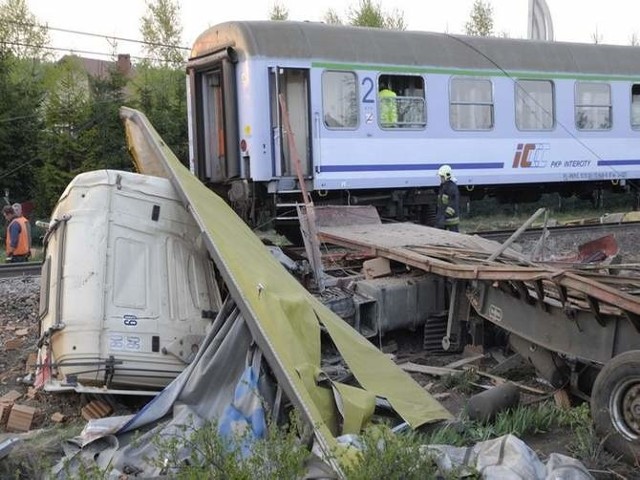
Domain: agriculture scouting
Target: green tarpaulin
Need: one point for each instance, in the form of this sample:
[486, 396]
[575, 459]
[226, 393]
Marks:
[284, 318]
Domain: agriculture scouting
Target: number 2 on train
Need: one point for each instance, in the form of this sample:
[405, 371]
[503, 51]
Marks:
[367, 83]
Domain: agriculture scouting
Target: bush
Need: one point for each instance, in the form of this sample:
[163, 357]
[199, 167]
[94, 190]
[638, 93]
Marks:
[211, 456]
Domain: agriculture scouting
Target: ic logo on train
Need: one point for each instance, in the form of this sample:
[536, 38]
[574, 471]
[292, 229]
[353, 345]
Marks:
[532, 155]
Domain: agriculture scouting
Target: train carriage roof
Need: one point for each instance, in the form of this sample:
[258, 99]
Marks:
[375, 46]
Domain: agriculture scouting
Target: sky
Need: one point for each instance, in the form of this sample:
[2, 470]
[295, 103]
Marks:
[573, 20]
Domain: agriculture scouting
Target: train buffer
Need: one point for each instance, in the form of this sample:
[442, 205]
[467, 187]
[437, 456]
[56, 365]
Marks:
[578, 323]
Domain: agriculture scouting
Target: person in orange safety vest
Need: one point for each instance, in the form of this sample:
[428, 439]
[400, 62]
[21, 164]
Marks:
[17, 238]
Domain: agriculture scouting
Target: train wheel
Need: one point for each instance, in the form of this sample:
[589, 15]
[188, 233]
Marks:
[615, 405]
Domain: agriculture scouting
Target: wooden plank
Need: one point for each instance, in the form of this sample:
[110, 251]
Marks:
[499, 381]
[409, 234]
[464, 361]
[443, 371]
[428, 369]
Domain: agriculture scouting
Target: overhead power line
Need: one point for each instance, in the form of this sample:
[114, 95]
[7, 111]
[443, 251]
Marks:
[98, 35]
[70, 50]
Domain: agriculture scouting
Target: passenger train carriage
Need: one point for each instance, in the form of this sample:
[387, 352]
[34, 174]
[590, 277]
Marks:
[512, 117]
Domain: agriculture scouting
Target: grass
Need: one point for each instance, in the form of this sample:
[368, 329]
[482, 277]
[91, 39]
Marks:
[586, 445]
[37, 254]
[489, 214]
[33, 458]
[461, 382]
[519, 421]
[381, 453]
[385, 455]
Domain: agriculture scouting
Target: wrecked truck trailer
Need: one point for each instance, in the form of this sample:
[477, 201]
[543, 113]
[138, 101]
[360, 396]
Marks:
[127, 292]
[578, 325]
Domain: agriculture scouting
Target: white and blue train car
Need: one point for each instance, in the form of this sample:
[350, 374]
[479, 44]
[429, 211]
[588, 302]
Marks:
[514, 118]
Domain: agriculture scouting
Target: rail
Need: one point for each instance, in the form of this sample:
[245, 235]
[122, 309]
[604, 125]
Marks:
[26, 269]
[591, 228]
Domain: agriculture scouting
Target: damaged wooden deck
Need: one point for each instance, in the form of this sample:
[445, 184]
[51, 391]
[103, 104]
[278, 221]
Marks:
[465, 257]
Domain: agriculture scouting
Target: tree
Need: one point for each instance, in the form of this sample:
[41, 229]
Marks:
[62, 148]
[20, 32]
[279, 11]
[161, 94]
[596, 37]
[102, 133]
[22, 46]
[634, 41]
[160, 88]
[21, 94]
[331, 17]
[161, 29]
[481, 19]
[369, 14]
[81, 129]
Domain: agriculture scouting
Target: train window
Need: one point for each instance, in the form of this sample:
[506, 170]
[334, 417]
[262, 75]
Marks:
[534, 105]
[593, 106]
[471, 104]
[635, 107]
[339, 99]
[401, 101]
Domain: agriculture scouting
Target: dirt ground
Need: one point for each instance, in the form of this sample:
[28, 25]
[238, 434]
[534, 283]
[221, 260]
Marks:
[19, 336]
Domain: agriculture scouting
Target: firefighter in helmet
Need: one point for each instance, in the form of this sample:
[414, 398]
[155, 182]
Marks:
[448, 207]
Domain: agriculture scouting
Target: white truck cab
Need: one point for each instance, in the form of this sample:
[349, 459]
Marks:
[127, 288]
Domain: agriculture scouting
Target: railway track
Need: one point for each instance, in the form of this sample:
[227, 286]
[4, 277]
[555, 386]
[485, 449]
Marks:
[27, 269]
[563, 239]
[586, 229]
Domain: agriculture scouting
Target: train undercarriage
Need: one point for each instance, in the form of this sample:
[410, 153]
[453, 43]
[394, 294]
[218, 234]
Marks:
[262, 208]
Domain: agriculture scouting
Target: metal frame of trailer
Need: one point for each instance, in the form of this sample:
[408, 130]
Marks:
[580, 327]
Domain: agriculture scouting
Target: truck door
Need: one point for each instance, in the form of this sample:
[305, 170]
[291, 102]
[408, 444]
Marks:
[293, 84]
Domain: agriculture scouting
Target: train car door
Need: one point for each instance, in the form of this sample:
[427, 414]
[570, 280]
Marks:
[293, 84]
[214, 117]
[213, 123]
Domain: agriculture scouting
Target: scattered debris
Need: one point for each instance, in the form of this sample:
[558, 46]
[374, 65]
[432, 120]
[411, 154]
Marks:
[465, 361]
[5, 410]
[10, 397]
[21, 418]
[376, 268]
[96, 409]
[484, 406]
[19, 298]
[58, 417]
[13, 344]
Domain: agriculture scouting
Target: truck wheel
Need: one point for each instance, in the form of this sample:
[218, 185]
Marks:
[615, 405]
